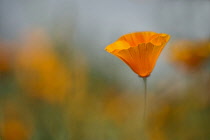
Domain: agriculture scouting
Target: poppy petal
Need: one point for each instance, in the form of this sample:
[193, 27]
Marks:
[134, 39]
[159, 39]
[118, 45]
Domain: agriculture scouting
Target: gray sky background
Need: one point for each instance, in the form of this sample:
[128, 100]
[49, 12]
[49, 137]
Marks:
[93, 24]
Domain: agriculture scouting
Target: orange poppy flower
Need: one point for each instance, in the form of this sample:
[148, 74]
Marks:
[139, 50]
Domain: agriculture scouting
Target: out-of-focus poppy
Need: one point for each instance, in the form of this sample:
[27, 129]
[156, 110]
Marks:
[39, 70]
[139, 50]
[190, 54]
[15, 122]
[14, 130]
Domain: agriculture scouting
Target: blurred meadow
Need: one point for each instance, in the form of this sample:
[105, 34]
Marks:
[58, 83]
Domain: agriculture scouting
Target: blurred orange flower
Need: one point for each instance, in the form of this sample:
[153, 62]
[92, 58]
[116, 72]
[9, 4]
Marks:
[15, 121]
[190, 54]
[40, 71]
[15, 130]
[139, 50]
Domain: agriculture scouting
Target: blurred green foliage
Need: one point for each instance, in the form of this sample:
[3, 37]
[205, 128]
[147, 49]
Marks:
[48, 91]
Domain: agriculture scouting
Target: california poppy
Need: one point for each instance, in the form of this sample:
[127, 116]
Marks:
[139, 50]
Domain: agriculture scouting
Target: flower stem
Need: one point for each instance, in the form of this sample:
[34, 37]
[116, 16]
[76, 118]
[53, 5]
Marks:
[145, 98]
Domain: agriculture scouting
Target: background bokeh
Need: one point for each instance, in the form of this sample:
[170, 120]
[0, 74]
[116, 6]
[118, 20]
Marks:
[58, 83]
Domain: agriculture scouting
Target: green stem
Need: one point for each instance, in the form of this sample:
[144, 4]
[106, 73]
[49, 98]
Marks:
[145, 98]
